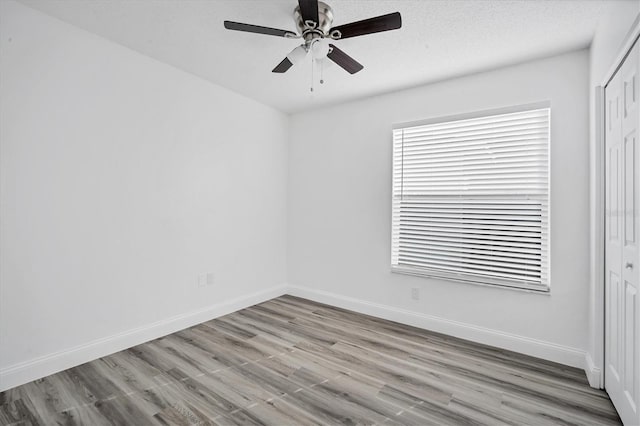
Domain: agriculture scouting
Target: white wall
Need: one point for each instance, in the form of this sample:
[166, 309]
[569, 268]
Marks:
[340, 213]
[122, 179]
[607, 42]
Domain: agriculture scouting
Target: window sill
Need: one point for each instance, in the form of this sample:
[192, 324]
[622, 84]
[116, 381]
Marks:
[541, 290]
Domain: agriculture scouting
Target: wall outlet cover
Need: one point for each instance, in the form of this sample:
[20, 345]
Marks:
[415, 293]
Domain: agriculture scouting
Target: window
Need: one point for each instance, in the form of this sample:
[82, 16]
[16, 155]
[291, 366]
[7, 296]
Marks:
[471, 199]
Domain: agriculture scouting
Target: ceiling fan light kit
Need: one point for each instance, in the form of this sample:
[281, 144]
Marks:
[297, 54]
[314, 20]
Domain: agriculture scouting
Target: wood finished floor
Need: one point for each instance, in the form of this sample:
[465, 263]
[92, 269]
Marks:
[292, 361]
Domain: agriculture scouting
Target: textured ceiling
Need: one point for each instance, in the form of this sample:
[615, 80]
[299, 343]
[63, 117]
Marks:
[439, 39]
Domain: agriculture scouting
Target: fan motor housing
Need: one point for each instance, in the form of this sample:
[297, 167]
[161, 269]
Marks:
[325, 16]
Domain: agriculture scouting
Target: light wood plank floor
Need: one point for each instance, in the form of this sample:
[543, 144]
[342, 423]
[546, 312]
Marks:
[292, 361]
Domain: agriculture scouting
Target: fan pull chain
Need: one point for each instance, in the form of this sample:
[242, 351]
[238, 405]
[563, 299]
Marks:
[322, 71]
[312, 67]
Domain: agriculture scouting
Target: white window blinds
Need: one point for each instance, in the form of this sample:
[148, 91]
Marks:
[471, 199]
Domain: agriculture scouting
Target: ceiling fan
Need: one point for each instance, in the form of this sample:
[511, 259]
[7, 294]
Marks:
[313, 19]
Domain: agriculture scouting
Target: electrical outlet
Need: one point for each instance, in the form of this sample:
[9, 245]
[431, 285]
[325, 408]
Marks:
[202, 280]
[209, 278]
[415, 293]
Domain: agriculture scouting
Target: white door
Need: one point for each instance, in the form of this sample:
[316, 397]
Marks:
[622, 232]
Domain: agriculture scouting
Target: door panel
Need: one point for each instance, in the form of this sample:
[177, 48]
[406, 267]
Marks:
[631, 355]
[629, 191]
[614, 195]
[613, 329]
[622, 254]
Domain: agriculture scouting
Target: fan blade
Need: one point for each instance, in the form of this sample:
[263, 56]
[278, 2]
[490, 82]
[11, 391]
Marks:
[238, 26]
[283, 66]
[309, 10]
[345, 61]
[392, 21]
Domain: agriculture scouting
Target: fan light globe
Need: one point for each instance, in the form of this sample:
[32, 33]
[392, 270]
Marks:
[297, 54]
[320, 49]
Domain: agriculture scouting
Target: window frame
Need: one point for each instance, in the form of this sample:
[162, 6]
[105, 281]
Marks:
[466, 278]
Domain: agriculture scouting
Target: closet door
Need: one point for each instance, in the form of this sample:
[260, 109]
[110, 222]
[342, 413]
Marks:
[622, 311]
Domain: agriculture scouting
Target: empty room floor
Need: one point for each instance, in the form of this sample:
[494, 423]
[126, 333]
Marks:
[293, 361]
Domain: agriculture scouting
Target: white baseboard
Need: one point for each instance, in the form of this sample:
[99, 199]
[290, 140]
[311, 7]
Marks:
[36, 368]
[525, 345]
[594, 374]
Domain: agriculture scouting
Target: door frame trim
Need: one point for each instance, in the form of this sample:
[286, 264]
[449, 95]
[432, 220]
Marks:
[629, 41]
[596, 378]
